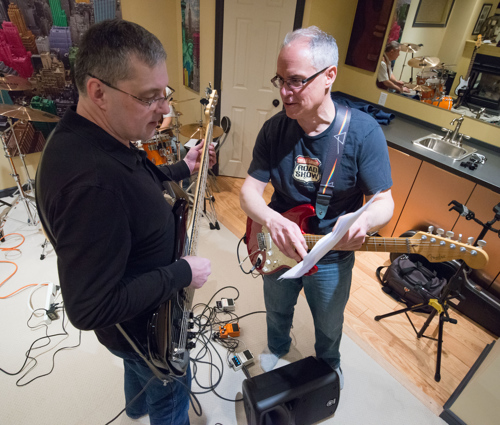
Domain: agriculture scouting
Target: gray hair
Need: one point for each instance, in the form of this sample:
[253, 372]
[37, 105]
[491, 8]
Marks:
[392, 45]
[322, 46]
[106, 49]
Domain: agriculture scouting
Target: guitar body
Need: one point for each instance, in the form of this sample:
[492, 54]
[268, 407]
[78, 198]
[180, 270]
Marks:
[165, 325]
[267, 258]
[462, 85]
[260, 245]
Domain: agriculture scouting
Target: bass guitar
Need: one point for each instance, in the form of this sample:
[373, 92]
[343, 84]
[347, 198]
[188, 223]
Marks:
[267, 259]
[169, 328]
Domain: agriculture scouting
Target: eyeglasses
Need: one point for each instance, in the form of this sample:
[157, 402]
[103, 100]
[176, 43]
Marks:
[294, 83]
[160, 100]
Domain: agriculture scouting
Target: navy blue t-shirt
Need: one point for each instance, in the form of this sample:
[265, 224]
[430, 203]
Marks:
[295, 162]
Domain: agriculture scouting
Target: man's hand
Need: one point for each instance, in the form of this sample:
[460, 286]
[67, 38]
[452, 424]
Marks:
[355, 236]
[200, 270]
[193, 157]
[288, 237]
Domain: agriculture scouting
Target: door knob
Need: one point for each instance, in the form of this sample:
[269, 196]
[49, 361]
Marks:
[276, 103]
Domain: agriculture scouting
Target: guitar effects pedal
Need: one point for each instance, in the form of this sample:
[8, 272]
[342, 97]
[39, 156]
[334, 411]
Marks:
[229, 330]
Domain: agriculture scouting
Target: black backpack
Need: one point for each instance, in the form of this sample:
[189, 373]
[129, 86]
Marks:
[411, 282]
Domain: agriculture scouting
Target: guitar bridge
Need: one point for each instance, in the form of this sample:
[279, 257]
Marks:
[264, 241]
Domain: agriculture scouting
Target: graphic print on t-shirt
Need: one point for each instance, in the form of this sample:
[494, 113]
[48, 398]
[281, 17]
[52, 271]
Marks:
[306, 170]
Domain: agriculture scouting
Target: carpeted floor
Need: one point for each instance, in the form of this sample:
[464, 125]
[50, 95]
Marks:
[85, 385]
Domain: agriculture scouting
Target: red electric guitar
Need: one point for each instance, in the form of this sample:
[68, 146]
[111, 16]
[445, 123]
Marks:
[267, 258]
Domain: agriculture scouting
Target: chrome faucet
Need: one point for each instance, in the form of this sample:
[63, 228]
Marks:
[456, 132]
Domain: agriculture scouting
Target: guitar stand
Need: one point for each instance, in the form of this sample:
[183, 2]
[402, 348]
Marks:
[439, 305]
[452, 289]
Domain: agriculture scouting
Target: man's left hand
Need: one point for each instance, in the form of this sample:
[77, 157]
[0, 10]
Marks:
[193, 157]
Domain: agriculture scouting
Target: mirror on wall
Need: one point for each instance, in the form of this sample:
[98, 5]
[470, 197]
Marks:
[434, 64]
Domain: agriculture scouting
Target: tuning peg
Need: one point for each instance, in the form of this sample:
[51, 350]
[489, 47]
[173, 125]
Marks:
[470, 240]
[459, 237]
[440, 231]
[430, 229]
[481, 243]
[450, 234]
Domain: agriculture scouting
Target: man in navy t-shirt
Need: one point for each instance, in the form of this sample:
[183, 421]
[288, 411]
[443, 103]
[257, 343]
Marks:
[290, 152]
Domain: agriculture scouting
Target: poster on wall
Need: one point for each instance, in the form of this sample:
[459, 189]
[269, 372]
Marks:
[191, 43]
[38, 44]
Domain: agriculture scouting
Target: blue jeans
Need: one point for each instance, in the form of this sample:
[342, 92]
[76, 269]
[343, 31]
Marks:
[165, 404]
[327, 292]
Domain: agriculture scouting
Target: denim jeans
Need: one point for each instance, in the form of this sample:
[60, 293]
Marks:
[165, 404]
[327, 292]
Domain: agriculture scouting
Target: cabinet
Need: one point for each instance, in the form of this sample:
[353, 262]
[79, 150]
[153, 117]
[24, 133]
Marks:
[427, 203]
[404, 169]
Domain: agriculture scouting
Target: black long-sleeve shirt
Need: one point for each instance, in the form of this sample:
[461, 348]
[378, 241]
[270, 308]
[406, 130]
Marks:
[112, 230]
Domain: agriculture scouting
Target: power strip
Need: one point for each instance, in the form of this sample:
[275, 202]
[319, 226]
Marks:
[50, 299]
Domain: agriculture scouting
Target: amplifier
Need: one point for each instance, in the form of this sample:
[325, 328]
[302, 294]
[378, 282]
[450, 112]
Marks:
[300, 393]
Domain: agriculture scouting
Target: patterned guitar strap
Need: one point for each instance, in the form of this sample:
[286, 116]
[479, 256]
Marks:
[334, 155]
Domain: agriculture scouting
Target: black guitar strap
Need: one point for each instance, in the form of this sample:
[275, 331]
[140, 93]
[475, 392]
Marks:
[334, 155]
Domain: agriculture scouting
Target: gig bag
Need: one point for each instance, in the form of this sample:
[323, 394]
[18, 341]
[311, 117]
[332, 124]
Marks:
[411, 283]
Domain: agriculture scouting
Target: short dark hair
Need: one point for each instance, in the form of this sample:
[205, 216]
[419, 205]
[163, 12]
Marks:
[106, 49]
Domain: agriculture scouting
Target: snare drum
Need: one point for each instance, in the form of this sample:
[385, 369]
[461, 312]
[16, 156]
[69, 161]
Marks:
[159, 149]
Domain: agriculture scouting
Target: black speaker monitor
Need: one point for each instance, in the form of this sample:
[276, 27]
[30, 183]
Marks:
[300, 393]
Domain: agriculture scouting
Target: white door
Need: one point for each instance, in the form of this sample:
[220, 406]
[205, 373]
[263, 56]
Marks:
[253, 33]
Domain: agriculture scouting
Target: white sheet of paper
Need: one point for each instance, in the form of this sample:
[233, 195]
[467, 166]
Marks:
[325, 244]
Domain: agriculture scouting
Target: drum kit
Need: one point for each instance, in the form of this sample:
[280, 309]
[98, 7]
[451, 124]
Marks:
[431, 78]
[159, 148]
[21, 113]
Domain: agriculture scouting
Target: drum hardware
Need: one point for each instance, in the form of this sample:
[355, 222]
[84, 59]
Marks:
[407, 48]
[418, 87]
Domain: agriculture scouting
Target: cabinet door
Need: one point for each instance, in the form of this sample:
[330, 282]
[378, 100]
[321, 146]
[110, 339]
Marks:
[428, 201]
[481, 203]
[404, 169]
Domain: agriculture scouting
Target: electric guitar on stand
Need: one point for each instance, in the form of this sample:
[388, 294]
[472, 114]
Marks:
[267, 258]
[463, 85]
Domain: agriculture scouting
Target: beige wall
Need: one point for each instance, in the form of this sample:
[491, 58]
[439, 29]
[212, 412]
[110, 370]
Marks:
[163, 18]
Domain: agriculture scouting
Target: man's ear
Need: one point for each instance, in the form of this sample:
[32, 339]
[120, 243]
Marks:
[331, 75]
[95, 92]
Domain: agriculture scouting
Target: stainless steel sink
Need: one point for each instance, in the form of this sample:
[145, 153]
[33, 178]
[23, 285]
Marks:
[435, 143]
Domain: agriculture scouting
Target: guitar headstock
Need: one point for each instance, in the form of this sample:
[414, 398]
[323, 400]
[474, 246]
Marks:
[212, 97]
[437, 248]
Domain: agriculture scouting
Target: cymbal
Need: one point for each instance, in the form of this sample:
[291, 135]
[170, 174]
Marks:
[13, 82]
[196, 131]
[424, 62]
[25, 113]
[409, 47]
[418, 87]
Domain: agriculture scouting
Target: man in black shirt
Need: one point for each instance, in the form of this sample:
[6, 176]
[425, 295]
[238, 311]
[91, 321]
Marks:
[101, 203]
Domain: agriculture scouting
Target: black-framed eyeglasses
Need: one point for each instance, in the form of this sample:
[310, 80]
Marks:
[160, 100]
[294, 83]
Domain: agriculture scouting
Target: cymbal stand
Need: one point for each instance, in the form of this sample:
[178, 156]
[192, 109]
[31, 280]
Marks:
[27, 200]
[30, 181]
